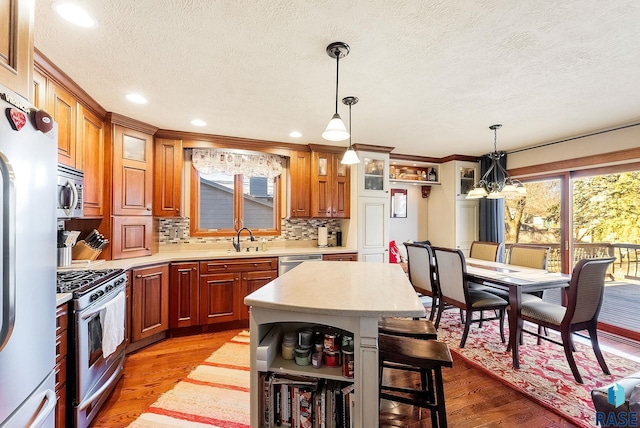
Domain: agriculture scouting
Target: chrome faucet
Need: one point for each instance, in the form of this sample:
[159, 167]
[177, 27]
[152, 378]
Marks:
[237, 245]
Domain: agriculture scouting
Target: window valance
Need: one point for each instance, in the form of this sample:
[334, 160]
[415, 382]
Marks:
[212, 161]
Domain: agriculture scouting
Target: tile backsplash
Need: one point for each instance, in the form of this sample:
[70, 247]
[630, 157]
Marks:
[176, 231]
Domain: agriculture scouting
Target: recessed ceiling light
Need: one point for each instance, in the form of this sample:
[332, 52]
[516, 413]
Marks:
[295, 134]
[73, 13]
[137, 98]
[198, 122]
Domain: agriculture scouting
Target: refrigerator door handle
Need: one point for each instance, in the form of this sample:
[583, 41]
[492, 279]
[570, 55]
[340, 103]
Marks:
[50, 397]
[7, 246]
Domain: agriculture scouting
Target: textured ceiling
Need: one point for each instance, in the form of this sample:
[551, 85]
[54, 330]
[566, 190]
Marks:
[431, 76]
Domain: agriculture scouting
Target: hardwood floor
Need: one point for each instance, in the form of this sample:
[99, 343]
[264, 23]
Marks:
[473, 398]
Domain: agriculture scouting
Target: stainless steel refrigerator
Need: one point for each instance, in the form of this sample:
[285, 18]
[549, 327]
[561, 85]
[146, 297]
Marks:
[28, 161]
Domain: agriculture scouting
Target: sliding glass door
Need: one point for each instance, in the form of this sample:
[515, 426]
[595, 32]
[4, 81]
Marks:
[538, 218]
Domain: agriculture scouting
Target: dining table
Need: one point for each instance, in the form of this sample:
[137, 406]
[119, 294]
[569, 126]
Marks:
[516, 280]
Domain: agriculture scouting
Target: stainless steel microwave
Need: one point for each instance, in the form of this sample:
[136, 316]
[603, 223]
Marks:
[70, 192]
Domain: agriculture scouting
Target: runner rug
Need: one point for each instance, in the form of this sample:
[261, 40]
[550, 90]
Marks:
[544, 373]
[214, 394]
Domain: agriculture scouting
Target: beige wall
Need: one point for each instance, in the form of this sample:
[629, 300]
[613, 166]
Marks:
[606, 142]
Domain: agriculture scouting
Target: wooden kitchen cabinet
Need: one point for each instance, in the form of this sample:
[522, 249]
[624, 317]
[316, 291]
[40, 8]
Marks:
[183, 294]
[300, 184]
[132, 172]
[330, 188]
[90, 159]
[60, 369]
[63, 107]
[16, 46]
[342, 257]
[131, 237]
[225, 283]
[150, 301]
[167, 194]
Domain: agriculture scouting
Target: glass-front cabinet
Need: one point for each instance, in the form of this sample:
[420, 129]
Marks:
[374, 174]
[467, 176]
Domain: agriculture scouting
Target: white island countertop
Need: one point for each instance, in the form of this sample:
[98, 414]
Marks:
[343, 289]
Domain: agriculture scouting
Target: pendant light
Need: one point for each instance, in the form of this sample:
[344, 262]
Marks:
[496, 183]
[350, 157]
[336, 131]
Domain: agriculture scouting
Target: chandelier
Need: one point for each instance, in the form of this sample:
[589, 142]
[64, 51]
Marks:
[496, 183]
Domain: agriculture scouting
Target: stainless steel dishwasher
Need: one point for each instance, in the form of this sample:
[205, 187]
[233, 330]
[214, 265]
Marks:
[286, 263]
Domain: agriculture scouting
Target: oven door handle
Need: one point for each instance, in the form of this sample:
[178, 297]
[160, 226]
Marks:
[98, 309]
[83, 405]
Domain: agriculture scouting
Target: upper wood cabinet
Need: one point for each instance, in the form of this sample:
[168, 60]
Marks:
[167, 194]
[90, 159]
[330, 188]
[16, 45]
[300, 189]
[63, 107]
[131, 236]
[132, 172]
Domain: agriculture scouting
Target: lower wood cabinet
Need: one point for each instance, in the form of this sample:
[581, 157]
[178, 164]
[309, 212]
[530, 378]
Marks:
[62, 323]
[341, 257]
[150, 301]
[183, 294]
[213, 291]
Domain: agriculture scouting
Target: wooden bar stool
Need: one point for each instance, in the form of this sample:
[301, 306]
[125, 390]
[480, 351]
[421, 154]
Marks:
[426, 355]
[420, 328]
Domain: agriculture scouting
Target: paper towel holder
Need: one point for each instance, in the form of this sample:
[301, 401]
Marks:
[322, 236]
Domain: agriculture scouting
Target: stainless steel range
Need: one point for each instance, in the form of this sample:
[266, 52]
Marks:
[94, 293]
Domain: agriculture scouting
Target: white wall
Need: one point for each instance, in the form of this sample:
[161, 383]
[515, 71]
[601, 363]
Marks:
[605, 142]
[414, 226]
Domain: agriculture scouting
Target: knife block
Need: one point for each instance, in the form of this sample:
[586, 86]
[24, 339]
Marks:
[82, 251]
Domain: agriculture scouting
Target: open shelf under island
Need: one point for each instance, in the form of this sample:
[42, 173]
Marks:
[351, 296]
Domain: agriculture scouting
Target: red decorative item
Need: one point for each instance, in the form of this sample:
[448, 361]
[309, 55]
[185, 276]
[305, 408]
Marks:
[394, 252]
[17, 119]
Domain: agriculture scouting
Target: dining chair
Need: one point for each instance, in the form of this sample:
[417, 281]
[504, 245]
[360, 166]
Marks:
[455, 292]
[484, 250]
[421, 269]
[533, 256]
[584, 299]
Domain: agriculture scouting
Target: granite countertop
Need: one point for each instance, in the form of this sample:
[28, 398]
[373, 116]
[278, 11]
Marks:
[343, 289]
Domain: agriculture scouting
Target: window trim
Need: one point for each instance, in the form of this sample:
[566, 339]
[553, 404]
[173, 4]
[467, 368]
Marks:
[194, 229]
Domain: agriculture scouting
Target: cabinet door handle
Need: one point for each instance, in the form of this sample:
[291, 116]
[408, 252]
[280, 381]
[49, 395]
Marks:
[138, 276]
[194, 268]
[224, 266]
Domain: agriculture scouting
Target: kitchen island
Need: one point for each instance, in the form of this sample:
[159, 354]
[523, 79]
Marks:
[348, 296]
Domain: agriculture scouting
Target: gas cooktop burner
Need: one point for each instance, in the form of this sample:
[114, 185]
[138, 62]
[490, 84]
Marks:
[80, 281]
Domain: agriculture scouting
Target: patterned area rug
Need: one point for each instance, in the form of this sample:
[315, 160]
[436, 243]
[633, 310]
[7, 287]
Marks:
[544, 373]
[215, 394]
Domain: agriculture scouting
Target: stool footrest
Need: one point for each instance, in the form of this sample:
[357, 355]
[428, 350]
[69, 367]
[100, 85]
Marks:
[408, 396]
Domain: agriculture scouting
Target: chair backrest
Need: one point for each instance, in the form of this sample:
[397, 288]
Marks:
[586, 290]
[529, 256]
[491, 251]
[421, 267]
[451, 272]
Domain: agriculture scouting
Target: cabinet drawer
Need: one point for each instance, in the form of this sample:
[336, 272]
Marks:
[62, 318]
[221, 266]
[61, 346]
[60, 371]
[343, 257]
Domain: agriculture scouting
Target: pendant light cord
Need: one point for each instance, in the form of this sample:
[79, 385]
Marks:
[337, 74]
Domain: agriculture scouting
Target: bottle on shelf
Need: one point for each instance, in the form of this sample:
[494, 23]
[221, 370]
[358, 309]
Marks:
[432, 175]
